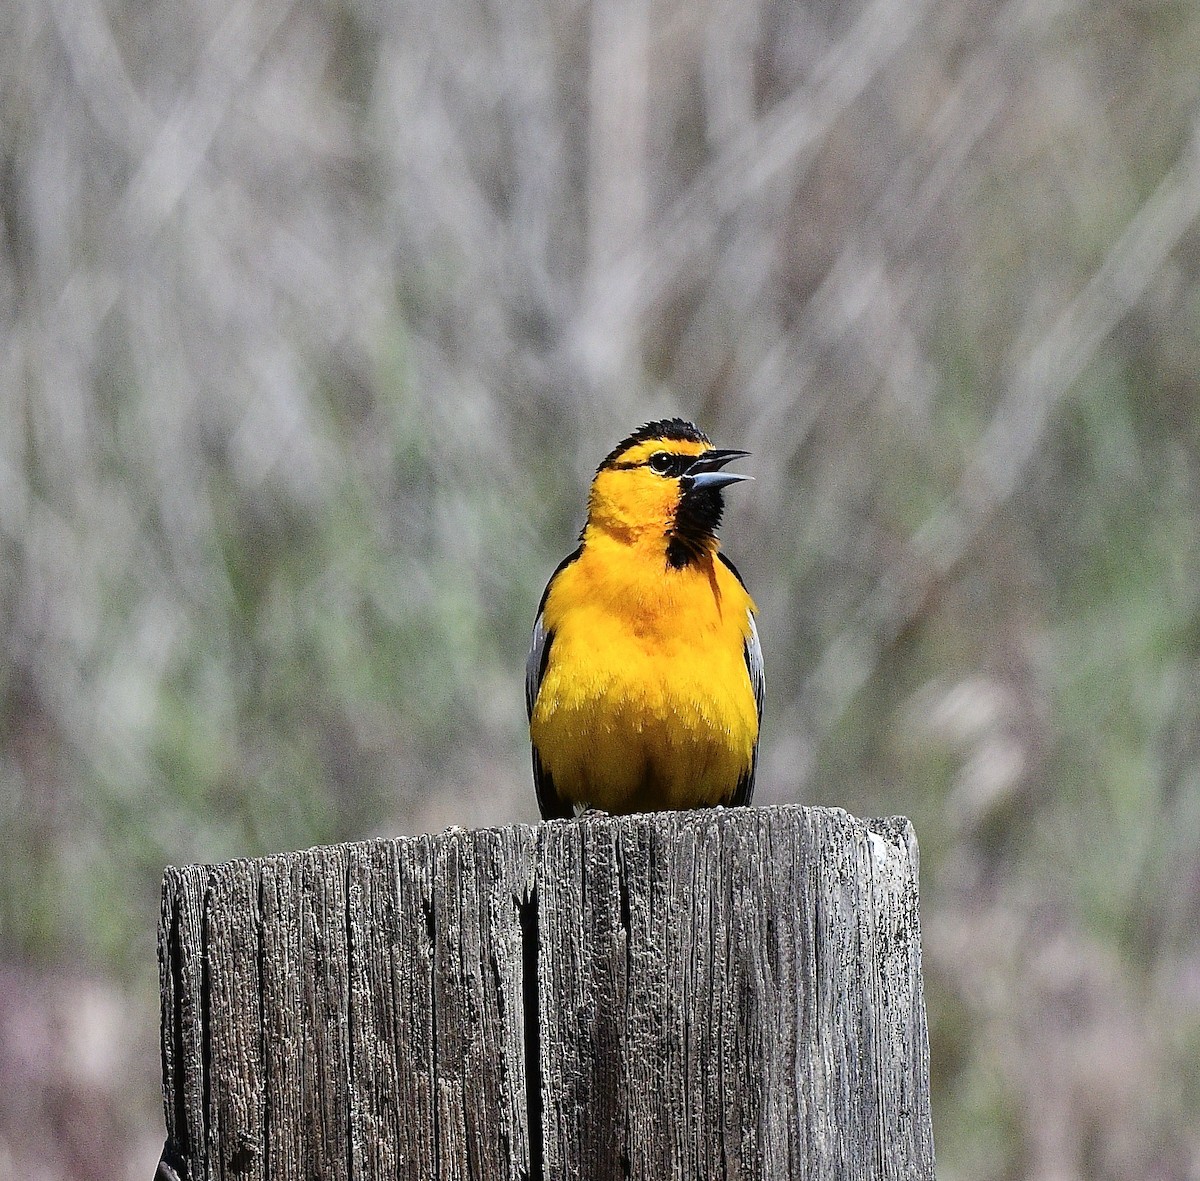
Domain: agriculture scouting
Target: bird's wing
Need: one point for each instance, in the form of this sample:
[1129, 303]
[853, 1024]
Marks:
[744, 792]
[535, 662]
[752, 650]
[549, 803]
[754, 665]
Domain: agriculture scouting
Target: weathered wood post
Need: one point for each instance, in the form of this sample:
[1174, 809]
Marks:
[719, 994]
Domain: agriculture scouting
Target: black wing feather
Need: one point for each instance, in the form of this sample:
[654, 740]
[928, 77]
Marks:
[549, 803]
[744, 792]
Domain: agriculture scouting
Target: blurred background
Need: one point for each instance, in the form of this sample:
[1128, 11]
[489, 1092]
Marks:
[315, 319]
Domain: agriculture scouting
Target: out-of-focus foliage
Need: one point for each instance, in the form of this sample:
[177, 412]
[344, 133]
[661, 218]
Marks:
[315, 317]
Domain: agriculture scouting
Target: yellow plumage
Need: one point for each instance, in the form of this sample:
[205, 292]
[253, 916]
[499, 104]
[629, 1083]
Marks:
[645, 677]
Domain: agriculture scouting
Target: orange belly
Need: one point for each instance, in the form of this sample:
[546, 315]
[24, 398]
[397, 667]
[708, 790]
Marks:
[649, 708]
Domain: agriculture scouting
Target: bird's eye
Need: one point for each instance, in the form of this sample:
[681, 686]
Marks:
[662, 462]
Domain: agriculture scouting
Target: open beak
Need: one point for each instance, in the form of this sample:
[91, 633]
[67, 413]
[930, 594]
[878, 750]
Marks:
[705, 470]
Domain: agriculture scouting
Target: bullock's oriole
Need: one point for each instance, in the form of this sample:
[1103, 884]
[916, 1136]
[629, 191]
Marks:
[644, 683]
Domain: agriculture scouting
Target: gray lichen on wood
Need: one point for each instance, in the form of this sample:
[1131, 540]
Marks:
[719, 994]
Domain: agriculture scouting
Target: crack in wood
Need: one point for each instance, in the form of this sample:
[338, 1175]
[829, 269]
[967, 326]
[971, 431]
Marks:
[171, 957]
[351, 1015]
[530, 981]
[262, 1021]
[206, 1019]
[427, 905]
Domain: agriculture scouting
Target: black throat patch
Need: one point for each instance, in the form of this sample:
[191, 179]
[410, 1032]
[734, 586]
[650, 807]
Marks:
[697, 520]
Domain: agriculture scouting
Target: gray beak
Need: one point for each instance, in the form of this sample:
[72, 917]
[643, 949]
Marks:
[705, 472]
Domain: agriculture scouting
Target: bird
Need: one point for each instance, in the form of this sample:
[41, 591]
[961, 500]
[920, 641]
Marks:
[644, 681]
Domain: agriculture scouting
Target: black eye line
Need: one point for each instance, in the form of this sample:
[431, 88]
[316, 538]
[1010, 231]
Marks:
[673, 464]
[678, 465]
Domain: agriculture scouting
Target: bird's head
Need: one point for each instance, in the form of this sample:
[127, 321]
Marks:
[663, 486]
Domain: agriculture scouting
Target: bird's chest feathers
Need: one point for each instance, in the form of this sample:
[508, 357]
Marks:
[641, 601]
[646, 698]
[635, 634]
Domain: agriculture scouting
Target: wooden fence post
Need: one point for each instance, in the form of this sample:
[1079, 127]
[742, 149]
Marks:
[717, 994]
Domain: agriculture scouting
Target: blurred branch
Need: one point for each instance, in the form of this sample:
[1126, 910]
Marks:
[869, 302]
[100, 73]
[617, 140]
[1037, 383]
[186, 135]
[776, 149]
[167, 168]
[859, 279]
[617, 128]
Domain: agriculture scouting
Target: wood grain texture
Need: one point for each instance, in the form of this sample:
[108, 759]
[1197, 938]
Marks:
[717, 994]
